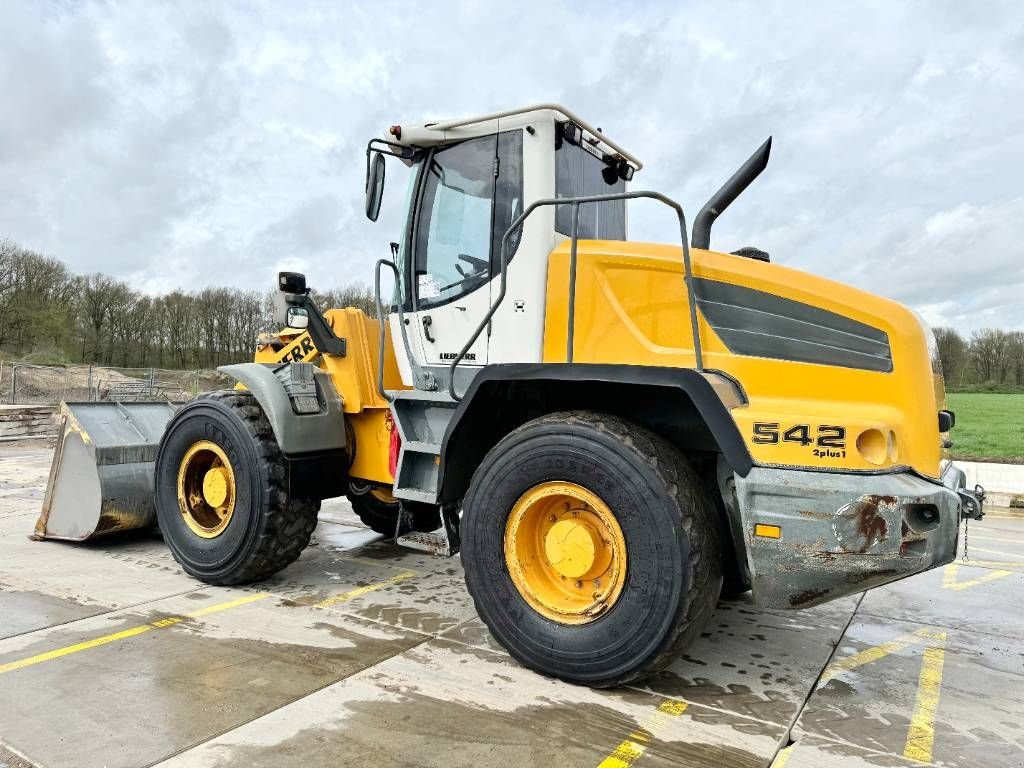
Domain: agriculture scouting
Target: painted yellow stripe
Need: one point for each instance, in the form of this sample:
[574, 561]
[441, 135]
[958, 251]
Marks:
[124, 634]
[634, 746]
[68, 650]
[172, 620]
[359, 591]
[921, 737]
[877, 652]
[228, 605]
[782, 758]
[949, 578]
[376, 563]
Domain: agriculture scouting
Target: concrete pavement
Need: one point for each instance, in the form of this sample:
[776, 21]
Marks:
[368, 654]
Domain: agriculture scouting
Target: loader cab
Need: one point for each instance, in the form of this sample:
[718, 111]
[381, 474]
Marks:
[468, 182]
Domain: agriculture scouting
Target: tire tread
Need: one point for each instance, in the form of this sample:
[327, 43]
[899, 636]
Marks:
[697, 521]
[289, 523]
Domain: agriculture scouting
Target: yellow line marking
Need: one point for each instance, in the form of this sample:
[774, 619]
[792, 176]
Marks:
[378, 564]
[783, 757]
[359, 591]
[877, 652]
[229, 604]
[126, 633]
[172, 620]
[949, 578]
[921, 736]
[634, 746]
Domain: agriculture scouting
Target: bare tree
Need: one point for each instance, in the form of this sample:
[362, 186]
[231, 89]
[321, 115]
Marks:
[98, 294]
[990, 352]
[952, 353]
[1017, 356]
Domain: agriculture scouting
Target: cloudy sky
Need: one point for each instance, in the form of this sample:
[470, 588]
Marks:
[214, 143]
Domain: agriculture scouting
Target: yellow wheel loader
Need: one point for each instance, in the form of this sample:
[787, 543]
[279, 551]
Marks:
[611, 432]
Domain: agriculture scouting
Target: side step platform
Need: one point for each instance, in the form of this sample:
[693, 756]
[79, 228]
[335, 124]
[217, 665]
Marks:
[421, 418]
[444, 542]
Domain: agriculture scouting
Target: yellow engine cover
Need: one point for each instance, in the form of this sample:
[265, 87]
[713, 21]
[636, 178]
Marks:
[631, 308]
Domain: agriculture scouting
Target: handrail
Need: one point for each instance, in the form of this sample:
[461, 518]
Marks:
[380, 321]
[576, 202]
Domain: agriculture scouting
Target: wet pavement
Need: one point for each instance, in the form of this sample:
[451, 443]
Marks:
[365, 654]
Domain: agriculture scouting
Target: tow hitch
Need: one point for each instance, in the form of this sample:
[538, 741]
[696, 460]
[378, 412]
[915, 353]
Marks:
[971, 503]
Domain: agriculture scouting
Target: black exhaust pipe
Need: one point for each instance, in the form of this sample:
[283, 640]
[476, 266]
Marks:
[750, 170]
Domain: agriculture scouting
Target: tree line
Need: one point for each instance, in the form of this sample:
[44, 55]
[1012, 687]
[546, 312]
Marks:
[49, 315]
[989, 356]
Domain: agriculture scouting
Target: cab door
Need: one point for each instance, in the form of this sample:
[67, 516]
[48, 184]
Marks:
[451, 251]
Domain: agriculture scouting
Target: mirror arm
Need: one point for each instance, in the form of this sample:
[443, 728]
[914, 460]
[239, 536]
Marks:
[386, 148]
[324, 338]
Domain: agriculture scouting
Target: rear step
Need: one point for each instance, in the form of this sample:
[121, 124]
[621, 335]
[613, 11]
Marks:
[444, 542]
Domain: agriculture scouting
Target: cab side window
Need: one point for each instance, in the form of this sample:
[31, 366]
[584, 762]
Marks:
[578, 174]
[453, 232]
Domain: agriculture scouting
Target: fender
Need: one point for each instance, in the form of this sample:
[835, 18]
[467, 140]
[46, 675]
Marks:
[301, 403]
[711, 394]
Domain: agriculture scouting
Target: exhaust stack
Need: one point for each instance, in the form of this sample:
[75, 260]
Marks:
[750, 170]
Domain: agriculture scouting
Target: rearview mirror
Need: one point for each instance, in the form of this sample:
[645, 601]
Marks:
[374, 186]
[291, 282]
[298, 317]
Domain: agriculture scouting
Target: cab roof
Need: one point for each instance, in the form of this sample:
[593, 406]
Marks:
[434, 133]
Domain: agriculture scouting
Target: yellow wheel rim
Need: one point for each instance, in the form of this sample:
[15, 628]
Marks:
[206, 489]
[383, 494]
[565, 552]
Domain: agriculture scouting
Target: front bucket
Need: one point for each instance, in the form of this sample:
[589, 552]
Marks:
[101, 480]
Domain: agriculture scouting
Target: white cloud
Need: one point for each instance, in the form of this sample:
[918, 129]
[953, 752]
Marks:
[188, 145]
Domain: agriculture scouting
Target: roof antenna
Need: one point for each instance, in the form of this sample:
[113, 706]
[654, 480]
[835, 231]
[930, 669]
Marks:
[713, 208]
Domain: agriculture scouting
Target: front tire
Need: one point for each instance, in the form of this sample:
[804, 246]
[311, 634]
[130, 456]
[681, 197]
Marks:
[654, 588]
[221, 492]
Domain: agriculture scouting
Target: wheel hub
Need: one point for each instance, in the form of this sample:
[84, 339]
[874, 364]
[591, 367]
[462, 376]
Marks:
[206, 489]
[215, 486]
[571, 546]
[565, 552]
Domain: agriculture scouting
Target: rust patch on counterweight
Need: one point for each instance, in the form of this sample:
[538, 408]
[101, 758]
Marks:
[863, 524]
[870, 522]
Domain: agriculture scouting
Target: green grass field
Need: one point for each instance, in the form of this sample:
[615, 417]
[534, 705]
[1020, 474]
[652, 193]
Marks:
[988, 426]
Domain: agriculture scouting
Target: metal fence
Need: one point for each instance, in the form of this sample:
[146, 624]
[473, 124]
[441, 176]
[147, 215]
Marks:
[30, 384]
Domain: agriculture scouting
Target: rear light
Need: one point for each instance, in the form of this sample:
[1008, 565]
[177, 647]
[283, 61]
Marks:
[393, 449]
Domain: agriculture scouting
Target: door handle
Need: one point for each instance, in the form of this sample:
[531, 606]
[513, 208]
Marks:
[427, 322]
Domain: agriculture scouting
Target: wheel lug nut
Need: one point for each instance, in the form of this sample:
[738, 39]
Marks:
[579, 584]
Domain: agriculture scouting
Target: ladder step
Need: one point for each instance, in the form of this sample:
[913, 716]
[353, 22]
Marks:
[414, 494]
[436, 543]
[439, 398]
[422, 446]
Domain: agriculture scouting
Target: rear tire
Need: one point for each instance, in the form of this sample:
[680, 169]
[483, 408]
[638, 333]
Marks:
[267, 530]
[381, 515]
[673, 571]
